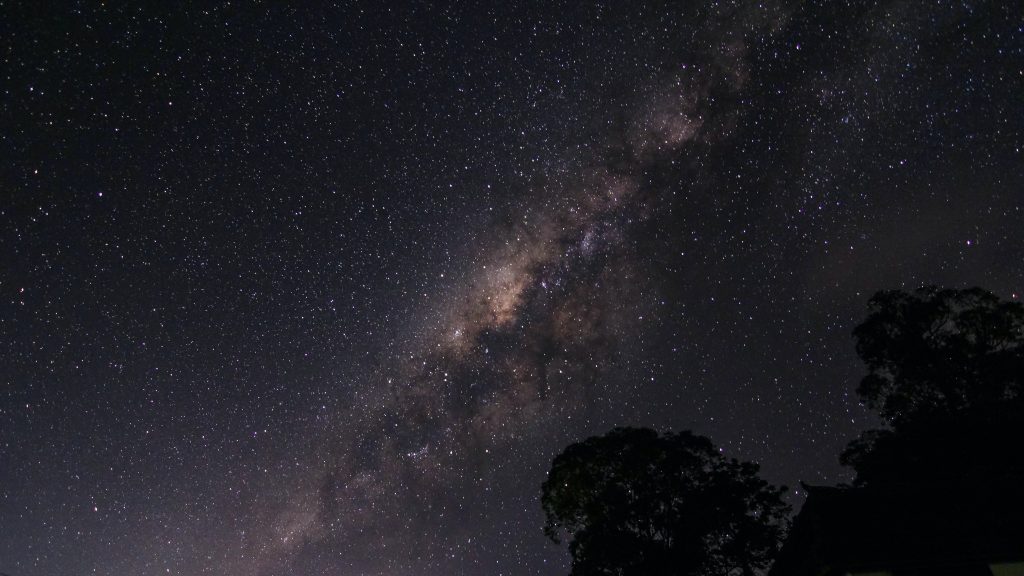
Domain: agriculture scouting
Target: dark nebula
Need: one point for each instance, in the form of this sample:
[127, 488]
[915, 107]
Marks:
[322, 290]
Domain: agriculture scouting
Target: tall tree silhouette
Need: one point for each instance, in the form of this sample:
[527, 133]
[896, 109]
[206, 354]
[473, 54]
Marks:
[946, 370]
[634, 502]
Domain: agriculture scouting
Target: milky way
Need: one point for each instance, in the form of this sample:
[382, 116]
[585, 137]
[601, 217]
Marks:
[323, 292]
[523, 346]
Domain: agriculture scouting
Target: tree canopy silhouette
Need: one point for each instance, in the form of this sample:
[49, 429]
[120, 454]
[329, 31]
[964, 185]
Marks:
[934, 352]
[636, 502]
[946, 370]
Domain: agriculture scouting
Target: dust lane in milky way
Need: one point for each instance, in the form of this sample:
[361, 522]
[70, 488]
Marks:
[525, 344]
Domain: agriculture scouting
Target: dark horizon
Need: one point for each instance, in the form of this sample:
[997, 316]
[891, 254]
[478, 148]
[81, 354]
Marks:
[324, 290]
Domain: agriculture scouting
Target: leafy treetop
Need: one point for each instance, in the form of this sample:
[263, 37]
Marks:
[636, 502]
[936, 352]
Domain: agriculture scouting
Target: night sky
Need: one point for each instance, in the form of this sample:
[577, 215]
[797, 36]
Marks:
[324, 289]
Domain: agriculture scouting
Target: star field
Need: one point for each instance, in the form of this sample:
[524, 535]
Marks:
[323, 289]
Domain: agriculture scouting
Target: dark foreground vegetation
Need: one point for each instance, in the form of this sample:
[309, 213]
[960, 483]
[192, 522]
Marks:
[939, 489]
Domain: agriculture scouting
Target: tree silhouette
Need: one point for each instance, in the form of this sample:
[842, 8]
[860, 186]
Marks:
[636, 502]
[938, 352]
[946, 370]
